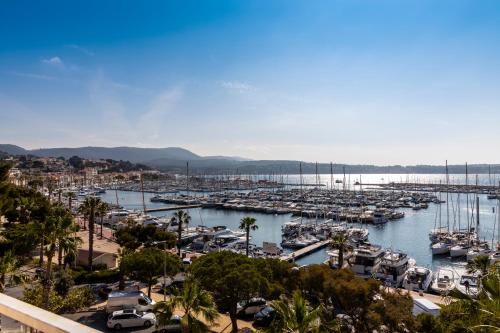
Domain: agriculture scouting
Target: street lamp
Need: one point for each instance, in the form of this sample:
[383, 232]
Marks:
[164, 267]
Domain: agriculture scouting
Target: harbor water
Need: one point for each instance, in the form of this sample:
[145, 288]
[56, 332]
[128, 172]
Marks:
[409, 234]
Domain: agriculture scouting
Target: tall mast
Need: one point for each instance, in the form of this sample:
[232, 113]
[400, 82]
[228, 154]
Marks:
[317, 179]
[477, 206]
[300, 177]
[331, 176]
[142, 191]
[187, 178]
[447, 198]
[467, 194]
[343, 182]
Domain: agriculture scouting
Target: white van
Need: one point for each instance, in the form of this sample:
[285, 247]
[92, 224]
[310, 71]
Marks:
[121, 300]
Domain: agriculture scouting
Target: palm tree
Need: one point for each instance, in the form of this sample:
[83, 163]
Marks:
[480, 265]
[9, 271]
[89, 208]
[122, 254]
[295, 317]
[181, 217]
[482, 312]
[102, 210]
[58, 228]
[9, 267]
[67, 241]
[248, 223]
[197, 304]
[340, 242]
[50, 187]
[71, 196]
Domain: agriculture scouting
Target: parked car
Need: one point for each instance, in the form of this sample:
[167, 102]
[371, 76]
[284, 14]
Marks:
[130, 318]
[174, 326]
[251, 307]
[121, 300]
[173, 284]
[264, 317]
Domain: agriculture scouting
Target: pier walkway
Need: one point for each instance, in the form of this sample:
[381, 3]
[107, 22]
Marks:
[305, 251]
[165, 209]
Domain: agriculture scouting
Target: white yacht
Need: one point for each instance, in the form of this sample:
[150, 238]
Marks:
[358, 234]
[417, 279]
[366, 259]
[393, 267]
[379, 217]
[443, 282]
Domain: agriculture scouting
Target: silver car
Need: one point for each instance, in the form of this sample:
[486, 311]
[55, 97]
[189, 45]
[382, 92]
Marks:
[130, 318]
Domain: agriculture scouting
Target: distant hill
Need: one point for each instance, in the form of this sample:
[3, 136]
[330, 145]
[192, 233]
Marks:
[132, 154]
[174, 159]
[13, 149]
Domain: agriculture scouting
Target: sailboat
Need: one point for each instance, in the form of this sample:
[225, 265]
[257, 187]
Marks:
[444, 245]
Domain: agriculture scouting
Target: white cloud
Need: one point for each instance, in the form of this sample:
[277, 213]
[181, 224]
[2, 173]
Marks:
[34, 76]
[237, 86]
[81, 49]
[54, 61]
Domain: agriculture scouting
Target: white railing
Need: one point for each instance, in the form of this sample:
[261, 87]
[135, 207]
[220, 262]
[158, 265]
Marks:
[35, 319]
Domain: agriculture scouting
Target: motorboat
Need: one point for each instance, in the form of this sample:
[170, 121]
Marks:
[443, 282]
[366, 259]
[468, 284]
[379, 217]
[393, 267]
[358, 234]
[417, 279]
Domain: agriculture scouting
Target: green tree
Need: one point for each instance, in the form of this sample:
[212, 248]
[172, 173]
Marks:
[231, 277]
[295, 316]
[248, 223]
[197, 305]
[479, 314]
[479, 265]
[9, 271]
[135, 236]
[71, 196]
[102, 210]
[89, 209]
[147, 265]
[57, 228]
[123, 252]
[340, 242]
[182, 218]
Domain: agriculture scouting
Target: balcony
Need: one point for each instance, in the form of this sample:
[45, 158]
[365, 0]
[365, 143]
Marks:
[33, 319]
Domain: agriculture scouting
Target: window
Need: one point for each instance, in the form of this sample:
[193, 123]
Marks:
[142, 301]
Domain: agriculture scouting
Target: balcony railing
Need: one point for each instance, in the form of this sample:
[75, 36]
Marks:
[34, 319]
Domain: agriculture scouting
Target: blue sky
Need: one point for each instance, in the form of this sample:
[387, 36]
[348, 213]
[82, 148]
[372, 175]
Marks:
[382, 82]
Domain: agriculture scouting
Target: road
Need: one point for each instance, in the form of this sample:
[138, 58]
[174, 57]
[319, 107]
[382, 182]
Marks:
[97, 320]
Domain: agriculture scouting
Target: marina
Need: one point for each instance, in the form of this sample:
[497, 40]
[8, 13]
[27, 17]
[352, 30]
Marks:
[409, 234]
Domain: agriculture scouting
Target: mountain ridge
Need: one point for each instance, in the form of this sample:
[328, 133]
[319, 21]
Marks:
[175, 158]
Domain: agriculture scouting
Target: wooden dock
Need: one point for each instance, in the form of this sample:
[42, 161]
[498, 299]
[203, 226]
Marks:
[165, 209]
[305, 251]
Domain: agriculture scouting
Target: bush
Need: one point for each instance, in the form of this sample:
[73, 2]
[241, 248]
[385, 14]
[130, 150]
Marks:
[77, 298]
[104, 276]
